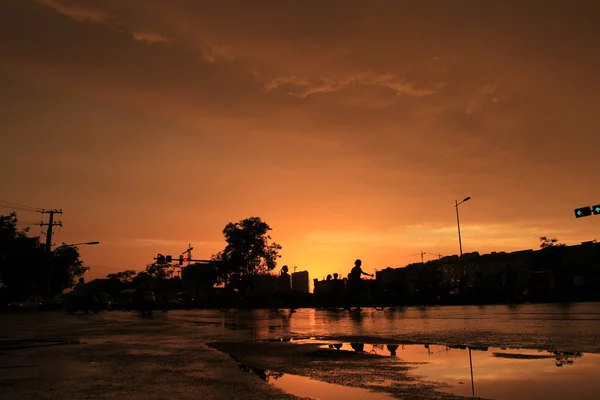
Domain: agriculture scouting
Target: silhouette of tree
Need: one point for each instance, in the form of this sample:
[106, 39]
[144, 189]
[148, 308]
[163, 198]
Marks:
[547, 242]
[25, 263]
[141, 277]
[66, 268]
[159, 271]
[124, 277]
[248, 250]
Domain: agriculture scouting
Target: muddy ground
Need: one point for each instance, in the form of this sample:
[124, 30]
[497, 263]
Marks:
[349, 368]
[123, 357]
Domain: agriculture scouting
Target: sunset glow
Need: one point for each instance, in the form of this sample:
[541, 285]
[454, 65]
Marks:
[350, 128]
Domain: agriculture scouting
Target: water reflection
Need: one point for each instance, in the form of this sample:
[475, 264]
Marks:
[311, 388]
[262, 373]
[578, 327]
[561, 358]
[496, 373]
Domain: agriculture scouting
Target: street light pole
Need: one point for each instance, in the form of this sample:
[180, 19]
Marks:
[75, 244]
[456, 204]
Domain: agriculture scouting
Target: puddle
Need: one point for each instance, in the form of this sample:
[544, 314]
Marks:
[498, 373]
[297, 340]
[305, 387]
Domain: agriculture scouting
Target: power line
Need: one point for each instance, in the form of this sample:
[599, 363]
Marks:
[15, 208]
[28, 222]
[25, 208]
[21, 205]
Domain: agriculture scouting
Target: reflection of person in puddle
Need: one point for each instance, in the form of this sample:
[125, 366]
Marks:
[357, 318]
[392, 349]
[358, 347]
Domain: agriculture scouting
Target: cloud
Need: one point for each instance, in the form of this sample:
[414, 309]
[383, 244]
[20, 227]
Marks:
[95, 16]
[150, 38]
[303, 87]
[157, 242]
[484, 235]
[484, 94]
[77, 12]
[214, 53]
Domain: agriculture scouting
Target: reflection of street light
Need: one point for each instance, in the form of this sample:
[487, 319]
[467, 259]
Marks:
[456, 204]
[471, 365]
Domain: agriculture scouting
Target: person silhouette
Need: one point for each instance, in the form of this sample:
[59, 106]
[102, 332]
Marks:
[284, 283]
[355, 281]
[357, 272]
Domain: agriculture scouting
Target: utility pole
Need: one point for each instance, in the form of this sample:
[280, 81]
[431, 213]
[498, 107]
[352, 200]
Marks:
[50, 225]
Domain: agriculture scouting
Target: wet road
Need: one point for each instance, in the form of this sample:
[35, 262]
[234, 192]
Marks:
[136, 355]
[574, 327]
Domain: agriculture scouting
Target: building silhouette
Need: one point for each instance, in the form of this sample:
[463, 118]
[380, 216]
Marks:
[300, 282]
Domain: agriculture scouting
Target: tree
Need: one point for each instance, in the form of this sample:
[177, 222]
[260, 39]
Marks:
[158, 271]
[124, 277]
[248, 251]
[547, 242]
[26, 266]
[66, 268]
[22, 262]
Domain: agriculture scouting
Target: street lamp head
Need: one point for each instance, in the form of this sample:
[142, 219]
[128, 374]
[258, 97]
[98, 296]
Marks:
[91, 243]
[467, 198]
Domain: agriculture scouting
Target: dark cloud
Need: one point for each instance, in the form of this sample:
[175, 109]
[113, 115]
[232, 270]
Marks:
[384, 106]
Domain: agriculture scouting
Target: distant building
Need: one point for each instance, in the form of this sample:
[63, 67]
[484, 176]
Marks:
[470, 256]
[300, 281]
[260, 284]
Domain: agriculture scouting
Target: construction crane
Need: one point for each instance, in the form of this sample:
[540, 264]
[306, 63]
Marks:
[422, 253]
[439, 256]
[188, 253]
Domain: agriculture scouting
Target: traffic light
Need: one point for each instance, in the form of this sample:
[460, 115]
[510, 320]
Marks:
[596, 209]
[584, 212]
[169, 259]
[160, 259]
[181, 260]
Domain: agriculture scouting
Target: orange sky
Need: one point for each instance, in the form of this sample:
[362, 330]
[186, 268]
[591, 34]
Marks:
[349, 127]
